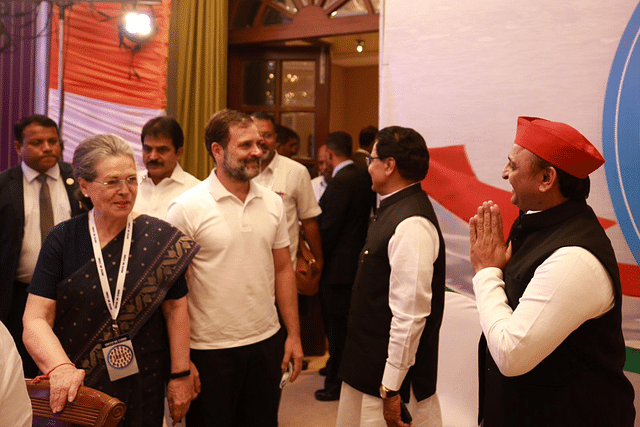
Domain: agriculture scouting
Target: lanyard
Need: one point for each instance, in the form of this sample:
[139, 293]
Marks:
[113, 304]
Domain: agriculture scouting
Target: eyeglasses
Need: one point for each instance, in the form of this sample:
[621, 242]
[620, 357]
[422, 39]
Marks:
[370, 159]
[113, 183]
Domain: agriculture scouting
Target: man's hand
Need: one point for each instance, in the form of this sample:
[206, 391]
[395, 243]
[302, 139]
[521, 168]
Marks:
[293, 350]
[391, 412]
[487, 239]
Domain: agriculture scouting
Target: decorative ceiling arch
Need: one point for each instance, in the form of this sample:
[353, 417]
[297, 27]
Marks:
[257, 21]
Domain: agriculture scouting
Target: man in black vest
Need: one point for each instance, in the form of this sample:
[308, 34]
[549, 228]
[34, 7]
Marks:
[391, 351]
[552, 351]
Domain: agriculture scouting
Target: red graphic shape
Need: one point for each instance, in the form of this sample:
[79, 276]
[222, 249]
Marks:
[452, 183]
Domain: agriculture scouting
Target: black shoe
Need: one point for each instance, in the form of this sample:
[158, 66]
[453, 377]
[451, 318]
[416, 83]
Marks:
[328, 395]
[323, 371]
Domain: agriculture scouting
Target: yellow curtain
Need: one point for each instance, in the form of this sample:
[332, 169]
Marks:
[202, 75]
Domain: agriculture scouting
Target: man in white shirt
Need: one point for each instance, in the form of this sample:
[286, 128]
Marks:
[391, 351]
[241, 271]
[164, 180]
[552, 351]
[291, 181]
[22, 227]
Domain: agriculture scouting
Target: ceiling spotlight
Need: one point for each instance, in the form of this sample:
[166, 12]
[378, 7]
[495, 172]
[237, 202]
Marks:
[137, 27]
[360, 46]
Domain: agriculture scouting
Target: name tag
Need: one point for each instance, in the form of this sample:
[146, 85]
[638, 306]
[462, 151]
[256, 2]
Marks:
[119, 357]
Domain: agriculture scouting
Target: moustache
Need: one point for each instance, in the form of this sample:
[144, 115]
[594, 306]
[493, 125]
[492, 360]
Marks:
[152, 163]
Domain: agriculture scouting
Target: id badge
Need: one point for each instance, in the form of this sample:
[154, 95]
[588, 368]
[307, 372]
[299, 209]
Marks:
[119, 357]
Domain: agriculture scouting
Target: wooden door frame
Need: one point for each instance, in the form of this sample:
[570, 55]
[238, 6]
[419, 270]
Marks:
[238, 54]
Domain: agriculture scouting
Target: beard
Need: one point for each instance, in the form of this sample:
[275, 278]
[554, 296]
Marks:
[239, 170]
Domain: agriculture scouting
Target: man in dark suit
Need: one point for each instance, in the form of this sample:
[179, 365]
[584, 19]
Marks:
[39, 146]
[365, 139]
[346, 204]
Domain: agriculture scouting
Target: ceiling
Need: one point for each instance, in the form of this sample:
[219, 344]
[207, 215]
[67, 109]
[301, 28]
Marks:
[343, 48]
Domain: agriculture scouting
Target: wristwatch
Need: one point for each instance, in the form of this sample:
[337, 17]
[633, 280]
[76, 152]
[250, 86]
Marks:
[386, 393]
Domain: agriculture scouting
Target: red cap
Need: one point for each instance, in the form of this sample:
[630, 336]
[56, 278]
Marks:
[559, 144]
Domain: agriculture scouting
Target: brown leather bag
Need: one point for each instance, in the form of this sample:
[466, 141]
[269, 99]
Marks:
[307, 272]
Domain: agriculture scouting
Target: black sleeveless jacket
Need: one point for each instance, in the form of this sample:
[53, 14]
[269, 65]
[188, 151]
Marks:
[581, 383]
[365, 352]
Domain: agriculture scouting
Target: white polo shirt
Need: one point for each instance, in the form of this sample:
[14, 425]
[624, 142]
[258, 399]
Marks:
[291, 181]
[154, 199]
[231, 279]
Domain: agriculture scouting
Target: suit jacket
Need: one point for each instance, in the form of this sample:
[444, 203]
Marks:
[12, 226]
[346, 206]
[360, 160]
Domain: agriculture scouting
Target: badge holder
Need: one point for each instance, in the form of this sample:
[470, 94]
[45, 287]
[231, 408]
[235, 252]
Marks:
[118, 352]
[119, 357]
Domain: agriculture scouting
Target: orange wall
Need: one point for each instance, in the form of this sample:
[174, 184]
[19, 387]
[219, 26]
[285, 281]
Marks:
[354, 99]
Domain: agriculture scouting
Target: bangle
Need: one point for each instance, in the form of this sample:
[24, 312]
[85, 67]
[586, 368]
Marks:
[182, 374]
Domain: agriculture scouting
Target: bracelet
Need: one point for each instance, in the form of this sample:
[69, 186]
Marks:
[182, 374]
[57, 366]
[46, 376]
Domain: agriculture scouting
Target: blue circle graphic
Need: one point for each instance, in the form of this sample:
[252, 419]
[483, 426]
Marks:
[621, 134]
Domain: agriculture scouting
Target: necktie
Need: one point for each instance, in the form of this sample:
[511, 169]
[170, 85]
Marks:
[46, 209]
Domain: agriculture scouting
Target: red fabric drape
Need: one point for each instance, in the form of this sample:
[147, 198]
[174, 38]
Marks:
[96, 66]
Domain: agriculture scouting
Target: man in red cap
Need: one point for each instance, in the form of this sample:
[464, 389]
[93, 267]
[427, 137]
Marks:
[549, 300]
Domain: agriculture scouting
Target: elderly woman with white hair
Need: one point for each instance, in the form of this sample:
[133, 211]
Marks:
[107, 304]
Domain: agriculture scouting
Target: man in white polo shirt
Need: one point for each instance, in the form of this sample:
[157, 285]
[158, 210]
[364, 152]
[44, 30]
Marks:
[242, 270]
[291, 181]
[164, 180]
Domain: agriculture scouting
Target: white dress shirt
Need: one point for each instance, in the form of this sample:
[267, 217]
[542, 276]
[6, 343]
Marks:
[567, 289]
[61, 212]
[412, 249]
[154, 199]
[291, 181]
[319, 184]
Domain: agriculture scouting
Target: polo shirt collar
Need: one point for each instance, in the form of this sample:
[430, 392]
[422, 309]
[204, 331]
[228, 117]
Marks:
[219, 192]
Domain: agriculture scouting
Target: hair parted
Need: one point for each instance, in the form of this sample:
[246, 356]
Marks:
[92, 151]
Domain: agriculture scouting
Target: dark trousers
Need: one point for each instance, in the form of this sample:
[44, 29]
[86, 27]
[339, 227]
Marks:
[14, 325]
[335, 299]
[240, 386]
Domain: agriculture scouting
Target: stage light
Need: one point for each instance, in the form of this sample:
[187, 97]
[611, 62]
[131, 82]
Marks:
[138, 27]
